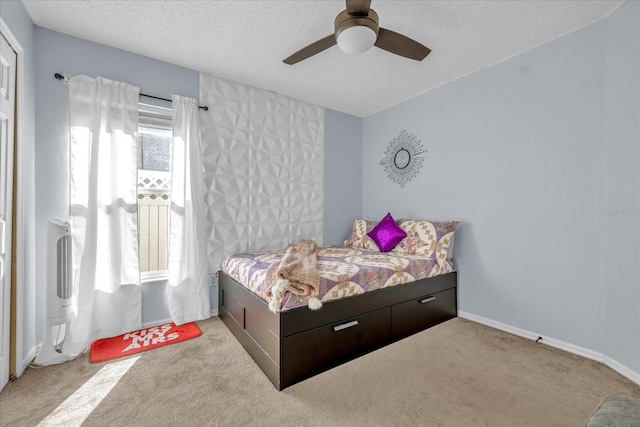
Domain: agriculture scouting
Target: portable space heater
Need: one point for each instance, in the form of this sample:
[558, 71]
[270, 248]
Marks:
[60, 308]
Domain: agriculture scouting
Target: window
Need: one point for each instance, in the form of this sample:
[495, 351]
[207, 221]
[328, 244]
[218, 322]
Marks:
[155, 137]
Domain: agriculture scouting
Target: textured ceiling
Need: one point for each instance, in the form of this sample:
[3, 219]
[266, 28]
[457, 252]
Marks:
[247, 40]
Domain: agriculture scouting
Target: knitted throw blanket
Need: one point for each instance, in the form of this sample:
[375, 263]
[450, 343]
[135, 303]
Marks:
[297, 273]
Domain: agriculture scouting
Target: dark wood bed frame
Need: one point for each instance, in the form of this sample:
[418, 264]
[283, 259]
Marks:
[294, 345]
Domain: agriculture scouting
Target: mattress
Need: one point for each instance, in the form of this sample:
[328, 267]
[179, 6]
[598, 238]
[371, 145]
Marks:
[344, 271]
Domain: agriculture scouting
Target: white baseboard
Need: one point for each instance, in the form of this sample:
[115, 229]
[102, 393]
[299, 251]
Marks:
[497, 325]
[622, 370]
[552, 342]
[575, 349]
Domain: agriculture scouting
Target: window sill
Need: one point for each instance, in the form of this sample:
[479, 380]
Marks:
[154, 276]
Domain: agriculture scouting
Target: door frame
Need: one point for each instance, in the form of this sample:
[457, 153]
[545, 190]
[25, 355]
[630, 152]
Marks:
[19, 359]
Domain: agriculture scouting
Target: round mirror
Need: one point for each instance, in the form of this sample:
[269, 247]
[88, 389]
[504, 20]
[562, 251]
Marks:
[402, 158]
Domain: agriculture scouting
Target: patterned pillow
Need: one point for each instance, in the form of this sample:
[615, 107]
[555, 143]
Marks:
[428, 238]
[387, 234]
[358, 237]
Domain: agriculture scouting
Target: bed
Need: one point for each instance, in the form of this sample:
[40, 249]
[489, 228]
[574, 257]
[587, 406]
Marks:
[369, 299]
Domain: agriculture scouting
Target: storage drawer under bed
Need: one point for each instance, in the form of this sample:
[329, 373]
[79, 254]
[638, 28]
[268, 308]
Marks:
[245, 309]
[311, 352]
[418, 314]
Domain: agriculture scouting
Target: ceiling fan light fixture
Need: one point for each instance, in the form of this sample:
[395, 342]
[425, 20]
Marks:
[357, 39]
[356, 30]
[356, 33]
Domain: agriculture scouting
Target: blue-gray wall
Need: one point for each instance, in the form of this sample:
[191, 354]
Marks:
[621, 202]
[21, 26]
[342, 175]
[519, 152]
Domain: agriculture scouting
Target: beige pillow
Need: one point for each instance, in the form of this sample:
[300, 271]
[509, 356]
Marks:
[427, 238]
[358, 237]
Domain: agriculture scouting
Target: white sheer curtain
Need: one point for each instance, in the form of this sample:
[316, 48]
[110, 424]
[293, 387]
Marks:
[103, 120]
[188, 291]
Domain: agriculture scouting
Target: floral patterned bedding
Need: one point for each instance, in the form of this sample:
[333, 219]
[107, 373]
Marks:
[344, 271]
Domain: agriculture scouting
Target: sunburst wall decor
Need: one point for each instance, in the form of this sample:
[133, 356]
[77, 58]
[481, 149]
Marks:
[403, 159]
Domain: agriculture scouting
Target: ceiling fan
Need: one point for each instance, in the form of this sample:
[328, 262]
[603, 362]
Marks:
[356, 31]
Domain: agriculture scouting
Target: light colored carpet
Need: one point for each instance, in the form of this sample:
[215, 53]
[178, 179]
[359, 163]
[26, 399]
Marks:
[459, 373]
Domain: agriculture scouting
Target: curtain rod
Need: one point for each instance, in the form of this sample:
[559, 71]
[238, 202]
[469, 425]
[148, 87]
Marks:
[66, 77]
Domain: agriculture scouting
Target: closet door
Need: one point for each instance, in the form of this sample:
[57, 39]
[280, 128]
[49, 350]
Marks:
[7, 120]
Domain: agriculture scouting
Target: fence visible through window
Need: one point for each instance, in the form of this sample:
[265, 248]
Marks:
[155, 140]
[154, 201]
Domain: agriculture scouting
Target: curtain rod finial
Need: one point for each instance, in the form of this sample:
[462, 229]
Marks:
[64, 77]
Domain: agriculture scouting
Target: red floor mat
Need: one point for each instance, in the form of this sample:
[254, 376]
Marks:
[145, 339]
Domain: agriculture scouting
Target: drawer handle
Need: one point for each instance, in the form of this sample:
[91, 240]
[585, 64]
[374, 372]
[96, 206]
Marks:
[426, 300]
[345, 325]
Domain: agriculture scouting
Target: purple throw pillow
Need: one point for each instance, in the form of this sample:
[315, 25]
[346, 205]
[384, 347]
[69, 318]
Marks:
[387, 234]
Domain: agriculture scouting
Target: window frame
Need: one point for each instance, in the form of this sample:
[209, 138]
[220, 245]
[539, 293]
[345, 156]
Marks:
[161, 118]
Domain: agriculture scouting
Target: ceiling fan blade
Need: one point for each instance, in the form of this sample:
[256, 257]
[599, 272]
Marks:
[312, 49]
[401, 45]
[358, 7]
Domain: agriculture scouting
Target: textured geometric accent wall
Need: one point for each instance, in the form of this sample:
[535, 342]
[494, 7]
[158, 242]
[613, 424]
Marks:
[263, 155]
